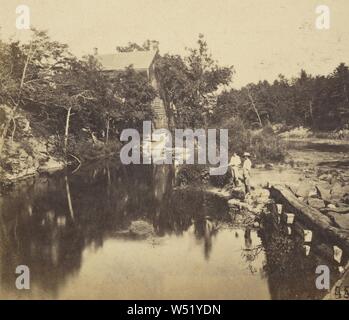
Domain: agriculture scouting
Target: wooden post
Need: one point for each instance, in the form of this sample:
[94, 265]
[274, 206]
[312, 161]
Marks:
[337, 254]
[306, 234]
[288, 217]
[66, 133]
[306, 249]
[279, 208]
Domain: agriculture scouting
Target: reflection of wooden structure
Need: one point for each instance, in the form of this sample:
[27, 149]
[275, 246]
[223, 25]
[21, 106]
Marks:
[143, 62]
[312, 236]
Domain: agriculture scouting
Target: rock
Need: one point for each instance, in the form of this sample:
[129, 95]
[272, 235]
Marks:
[238, 193]
[313, 193]
[259, 196]
[141, 228]
[345, 198]
[342, 220]
[323, 193]
[337, 191]
[323, 177]
[326, 177]
[331, 206]
[292, 187]
[237, 204]
[304, 189]
[342, 209]
[51, 165]
[269, 166]
[256, 224]
[316, 203]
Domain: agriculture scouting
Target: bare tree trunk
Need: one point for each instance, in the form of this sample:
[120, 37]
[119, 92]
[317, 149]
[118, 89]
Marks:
[66, 134]
[13, 113]
[70, 205]
[311, 111]
[255, 108]
[107, 131]
[346, 93]
[14, 129]
[4, 132]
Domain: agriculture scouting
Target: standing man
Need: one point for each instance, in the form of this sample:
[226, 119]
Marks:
[246, 170]
[235, 163]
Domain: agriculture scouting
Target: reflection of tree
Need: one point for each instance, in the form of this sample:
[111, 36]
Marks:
[206, 229]
[48, 224]
[70, 205]
[250, 255]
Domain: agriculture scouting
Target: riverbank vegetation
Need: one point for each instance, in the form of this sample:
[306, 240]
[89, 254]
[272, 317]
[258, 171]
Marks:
[57, 108]
[317, 102]
[68, 106]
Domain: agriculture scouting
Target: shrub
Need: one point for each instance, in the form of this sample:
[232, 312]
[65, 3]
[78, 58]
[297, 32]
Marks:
[263, 144]
[191, 174]
[267, 146]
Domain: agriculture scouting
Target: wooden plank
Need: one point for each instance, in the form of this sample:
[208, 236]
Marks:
[306, 234]
[288, 218]
[310, 216]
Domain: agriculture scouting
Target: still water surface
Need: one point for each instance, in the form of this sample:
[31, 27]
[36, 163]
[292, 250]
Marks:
[71, 230]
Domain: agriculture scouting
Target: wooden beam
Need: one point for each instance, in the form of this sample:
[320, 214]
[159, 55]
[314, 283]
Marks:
[310, 217]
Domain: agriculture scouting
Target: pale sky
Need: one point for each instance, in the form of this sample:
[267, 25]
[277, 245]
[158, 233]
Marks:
[260, 38]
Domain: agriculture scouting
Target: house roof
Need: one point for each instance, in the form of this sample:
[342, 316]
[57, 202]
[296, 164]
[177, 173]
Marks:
[140, 60]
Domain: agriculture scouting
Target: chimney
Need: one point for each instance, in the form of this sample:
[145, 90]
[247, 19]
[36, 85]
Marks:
[95, 51]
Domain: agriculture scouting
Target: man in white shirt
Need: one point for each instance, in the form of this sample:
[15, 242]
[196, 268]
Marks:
[234, 164]
[246, 171]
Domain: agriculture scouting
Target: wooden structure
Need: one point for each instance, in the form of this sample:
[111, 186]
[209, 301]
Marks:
[144, 62]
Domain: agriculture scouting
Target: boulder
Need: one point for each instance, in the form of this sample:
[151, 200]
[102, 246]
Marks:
[345, 198]
[326, 177]
[51, 165]
[337, 191]
[141, 228]
[323, 193]
[316, 203]
[342, 220]
[268, 166]
[304, 189]
[238, 193]
[260, 195]
[331, 206]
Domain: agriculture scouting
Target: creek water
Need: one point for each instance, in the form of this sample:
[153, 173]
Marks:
[72, 231]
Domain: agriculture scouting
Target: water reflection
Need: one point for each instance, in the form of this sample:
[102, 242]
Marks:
[46, 224]
[67, 228]
[290, 266]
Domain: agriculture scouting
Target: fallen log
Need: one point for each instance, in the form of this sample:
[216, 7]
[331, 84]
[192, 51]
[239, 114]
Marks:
[310, 216]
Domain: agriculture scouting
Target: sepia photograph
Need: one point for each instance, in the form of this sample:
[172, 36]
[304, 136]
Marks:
[175, 151]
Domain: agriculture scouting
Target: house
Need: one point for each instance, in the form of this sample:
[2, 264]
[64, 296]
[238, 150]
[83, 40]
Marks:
[141, 61]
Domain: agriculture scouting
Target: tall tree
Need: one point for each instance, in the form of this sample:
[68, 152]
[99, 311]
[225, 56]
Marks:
[190, 85]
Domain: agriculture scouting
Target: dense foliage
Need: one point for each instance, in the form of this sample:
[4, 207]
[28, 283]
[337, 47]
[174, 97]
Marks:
[189, 85]
[68, 97]
[320, 102]
[74, 101]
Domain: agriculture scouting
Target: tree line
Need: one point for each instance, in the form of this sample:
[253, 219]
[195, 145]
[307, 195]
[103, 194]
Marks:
[67, 97]
[72, 98]
[317, 102]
